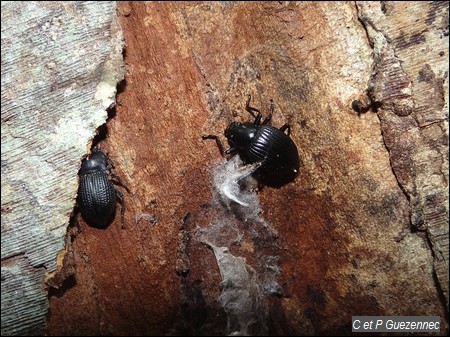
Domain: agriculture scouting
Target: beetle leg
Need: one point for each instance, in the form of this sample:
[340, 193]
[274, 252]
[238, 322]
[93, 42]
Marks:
[257, 121]
[222, 150]
[252, 111]
[267, 119]
[110, 163]
[218, 142]
[118, 181]
[77, 225]
[284, 127]
[231, 150]
[258, 117]
[122, 207]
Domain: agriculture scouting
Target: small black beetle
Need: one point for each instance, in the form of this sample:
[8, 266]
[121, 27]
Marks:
[96, 193]
[259, 142]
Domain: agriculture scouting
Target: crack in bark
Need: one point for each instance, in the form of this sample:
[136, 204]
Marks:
[417, 199]
[364, 23]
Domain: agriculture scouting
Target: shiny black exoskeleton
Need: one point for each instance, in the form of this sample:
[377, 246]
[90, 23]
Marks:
[97, 196]
[259, 142]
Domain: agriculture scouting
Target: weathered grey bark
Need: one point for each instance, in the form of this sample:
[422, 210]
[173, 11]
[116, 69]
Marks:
[410, 87]
[61, 62]
[363, 230]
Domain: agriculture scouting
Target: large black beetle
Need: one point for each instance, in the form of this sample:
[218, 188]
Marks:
[259, 142]
[97, 196]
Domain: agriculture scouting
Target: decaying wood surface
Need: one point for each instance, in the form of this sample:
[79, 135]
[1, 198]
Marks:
[363, 229]
[342, 239]
[61, 62]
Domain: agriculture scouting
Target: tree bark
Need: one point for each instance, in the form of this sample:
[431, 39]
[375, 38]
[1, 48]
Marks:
[362, 230]
[61, 62]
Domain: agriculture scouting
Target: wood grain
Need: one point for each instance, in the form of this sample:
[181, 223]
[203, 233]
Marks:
[60, 66]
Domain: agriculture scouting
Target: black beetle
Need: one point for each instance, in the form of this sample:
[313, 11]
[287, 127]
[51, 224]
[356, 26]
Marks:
[97, 196]
[259, 142]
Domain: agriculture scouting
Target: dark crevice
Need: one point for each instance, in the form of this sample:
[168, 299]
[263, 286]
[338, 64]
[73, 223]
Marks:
[67, 284]
[364, 23]
[6, 259]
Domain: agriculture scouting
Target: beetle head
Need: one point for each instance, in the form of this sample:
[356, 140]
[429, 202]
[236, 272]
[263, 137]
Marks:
[239, 135]
[97, 161]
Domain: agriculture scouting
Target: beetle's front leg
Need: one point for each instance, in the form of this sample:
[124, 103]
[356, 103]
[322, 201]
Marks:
[222, 150]
[218, 142]
[118, 181]
[231, 150]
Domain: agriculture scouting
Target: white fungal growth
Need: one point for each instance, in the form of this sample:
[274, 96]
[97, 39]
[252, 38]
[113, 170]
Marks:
[245, 288]
[223, 233]
[229, 179]
[241, 295]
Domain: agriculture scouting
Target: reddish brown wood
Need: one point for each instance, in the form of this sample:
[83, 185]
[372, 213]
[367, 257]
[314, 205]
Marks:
[340, 232]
